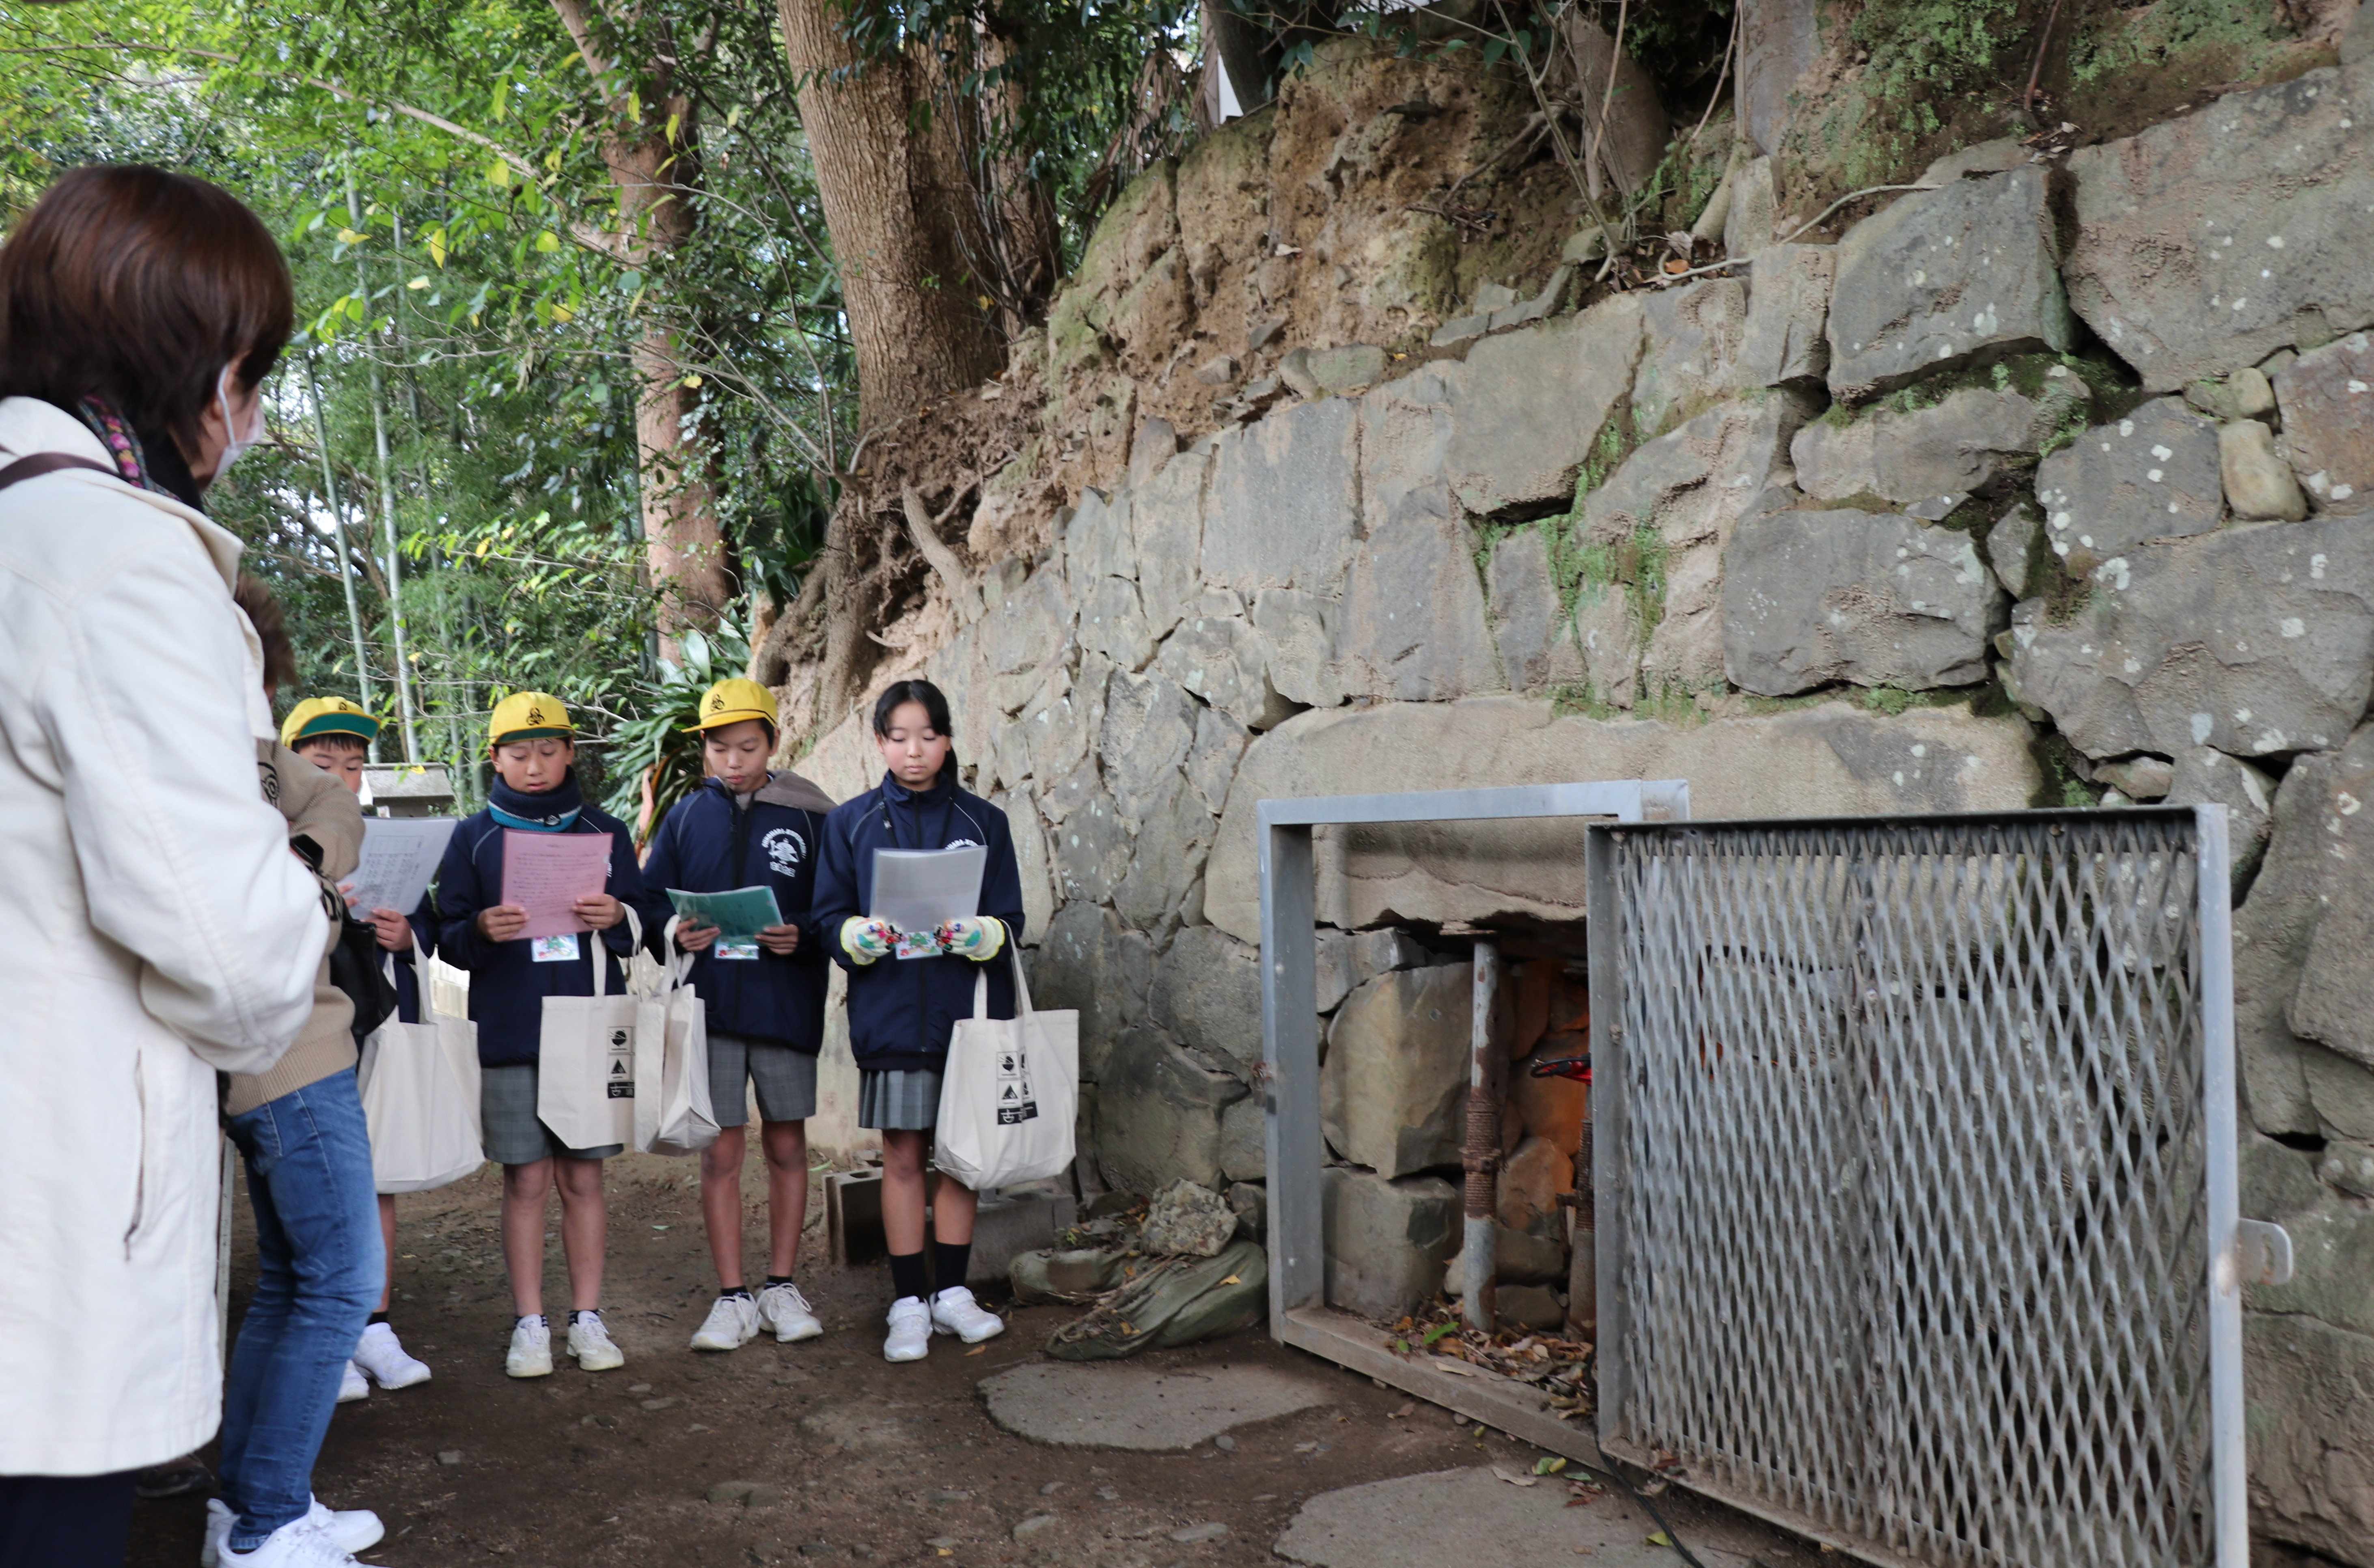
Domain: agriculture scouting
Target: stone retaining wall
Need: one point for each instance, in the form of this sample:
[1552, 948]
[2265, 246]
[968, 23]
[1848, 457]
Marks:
[2054, 484]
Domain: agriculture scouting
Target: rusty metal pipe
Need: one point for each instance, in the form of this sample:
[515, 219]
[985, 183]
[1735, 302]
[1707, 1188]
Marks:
[1486, 1087]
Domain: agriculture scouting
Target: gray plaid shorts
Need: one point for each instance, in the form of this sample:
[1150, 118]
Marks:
[514, 1133]
[898, 1099]
[786, 1080]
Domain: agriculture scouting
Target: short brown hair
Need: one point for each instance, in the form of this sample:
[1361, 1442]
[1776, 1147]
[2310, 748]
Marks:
[138, 285]
[339, 740]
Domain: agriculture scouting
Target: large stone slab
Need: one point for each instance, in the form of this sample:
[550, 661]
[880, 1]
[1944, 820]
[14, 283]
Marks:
[1386, 1241]
[1786, 340]
[1529, 618]
[1413, 623]
[2310, 1429]
[1298, 637]
[2328, 402]
[2154, 474]
[1149, 727]
[1826, 760]
[2333, 1001]
[1676, 501]
[1097, 542]
[1779, 41]
[2332, 1231]
[1282, 508]
[1532, 402]
[2272, 929]
[1163, 887]
[1072, 1404]
[1028, 626]
[1090, 845]
[1393, 1092]
[1159, 1114]
[2212, 240]
[1113, 623]
[1211, 760]
[1690, 353]
[1951, 447]
[1208, 992]
[1473, 1518]
[1216, 654]
[2258, 641]
[1031, 860]
[1944, 278]
[1813, 597]
[1166, 521]
[1089, 961]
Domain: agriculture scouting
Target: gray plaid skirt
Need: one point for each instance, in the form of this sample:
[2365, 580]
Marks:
[898, 1099]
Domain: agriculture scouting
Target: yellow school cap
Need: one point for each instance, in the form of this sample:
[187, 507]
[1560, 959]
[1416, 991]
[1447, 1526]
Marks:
[528, 716]
[732, 701]
[327, 715]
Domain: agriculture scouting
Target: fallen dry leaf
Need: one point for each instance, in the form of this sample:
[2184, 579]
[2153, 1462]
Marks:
[1396, 1415]
[1513, 1478]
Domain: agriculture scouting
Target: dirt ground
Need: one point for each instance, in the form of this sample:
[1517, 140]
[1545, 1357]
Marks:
[876, 1462]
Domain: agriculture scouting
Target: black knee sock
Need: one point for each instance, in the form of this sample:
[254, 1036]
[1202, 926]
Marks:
[732, 1293]
[906, 1274]
[779, 1280]
[950, 1262]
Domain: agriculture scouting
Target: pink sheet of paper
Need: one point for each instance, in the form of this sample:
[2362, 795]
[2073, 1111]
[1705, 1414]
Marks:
[545, 873]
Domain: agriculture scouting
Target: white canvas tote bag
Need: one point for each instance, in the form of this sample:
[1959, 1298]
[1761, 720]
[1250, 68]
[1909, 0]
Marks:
[419, 1084]
[1009, 1094]
[585, 1082]
[673, 1114]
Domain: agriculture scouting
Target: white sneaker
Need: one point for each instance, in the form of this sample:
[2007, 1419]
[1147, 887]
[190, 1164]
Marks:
[300, 1544]
[590, 1343]
[788, 1314]
[351, 1386]
[350, 1529]
[530, 1351]
[732, 1323]
[954, 1312]
[380, 1355]
[911, 1330]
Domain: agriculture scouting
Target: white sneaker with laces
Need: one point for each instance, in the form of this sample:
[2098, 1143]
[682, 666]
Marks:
[530, 1351]
[590, 1343]
[301, 1544]
[350, 1529]
[382, 1359]
[351, 1386]
[954, 1312]
[911, 1330]
[788, 1314]
[732, 1323]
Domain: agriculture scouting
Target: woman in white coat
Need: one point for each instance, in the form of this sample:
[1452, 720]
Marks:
[154, 925]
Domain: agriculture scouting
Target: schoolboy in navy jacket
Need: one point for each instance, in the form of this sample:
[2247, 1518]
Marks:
[747, 827]
[710, 842]
[533, 746]
[902, 1011]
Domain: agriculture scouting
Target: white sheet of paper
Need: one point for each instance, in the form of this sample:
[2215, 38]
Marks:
[399, 860]
[917, 890]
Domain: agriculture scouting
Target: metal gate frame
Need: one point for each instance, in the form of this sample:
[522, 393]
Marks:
[2236, 1250]
[1295, 1148]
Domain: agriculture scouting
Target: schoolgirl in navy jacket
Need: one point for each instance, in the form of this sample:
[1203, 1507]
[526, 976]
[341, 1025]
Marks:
[507, 985]
[902, 1011]
[710, 843]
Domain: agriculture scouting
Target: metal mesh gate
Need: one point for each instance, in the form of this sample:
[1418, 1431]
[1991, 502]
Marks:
[1906, 1142]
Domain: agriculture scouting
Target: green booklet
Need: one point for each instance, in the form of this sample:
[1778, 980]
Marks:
[739, 917]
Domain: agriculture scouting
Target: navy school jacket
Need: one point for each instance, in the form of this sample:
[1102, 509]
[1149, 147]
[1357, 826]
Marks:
[902, 1011]
[507, 988]
[710, 843]
[409, 1008]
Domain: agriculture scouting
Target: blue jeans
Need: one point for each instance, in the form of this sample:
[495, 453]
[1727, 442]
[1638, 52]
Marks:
[319, 1268]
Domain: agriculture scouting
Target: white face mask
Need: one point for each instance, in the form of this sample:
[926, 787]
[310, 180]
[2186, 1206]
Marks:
[234, 441]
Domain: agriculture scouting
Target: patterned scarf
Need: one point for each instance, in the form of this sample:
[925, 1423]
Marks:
[166, 473]
[555, 811]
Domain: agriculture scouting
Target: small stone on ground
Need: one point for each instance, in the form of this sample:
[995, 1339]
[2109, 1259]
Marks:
[1470, 1517]
[1092, 1405]
[1193, 1535]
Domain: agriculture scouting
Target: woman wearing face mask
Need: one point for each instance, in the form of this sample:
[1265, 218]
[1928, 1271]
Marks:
[154, 925]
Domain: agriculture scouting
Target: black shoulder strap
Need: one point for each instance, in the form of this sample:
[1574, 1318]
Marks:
[33, 467]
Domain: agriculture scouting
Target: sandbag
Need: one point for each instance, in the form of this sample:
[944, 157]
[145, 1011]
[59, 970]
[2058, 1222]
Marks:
[1173, 1301]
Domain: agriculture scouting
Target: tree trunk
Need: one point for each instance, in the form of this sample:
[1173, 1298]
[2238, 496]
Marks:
[893, 199]
[653, 154]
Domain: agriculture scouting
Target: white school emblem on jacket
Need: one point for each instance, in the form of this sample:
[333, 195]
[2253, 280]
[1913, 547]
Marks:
[785, 850]
[965, 843]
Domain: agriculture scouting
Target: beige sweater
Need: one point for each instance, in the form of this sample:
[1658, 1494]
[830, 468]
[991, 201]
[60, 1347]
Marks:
[318, 807]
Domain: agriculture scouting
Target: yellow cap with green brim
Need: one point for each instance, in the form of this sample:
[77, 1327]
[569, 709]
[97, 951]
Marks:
[529, 716]
[327, 715]
[733, 700]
